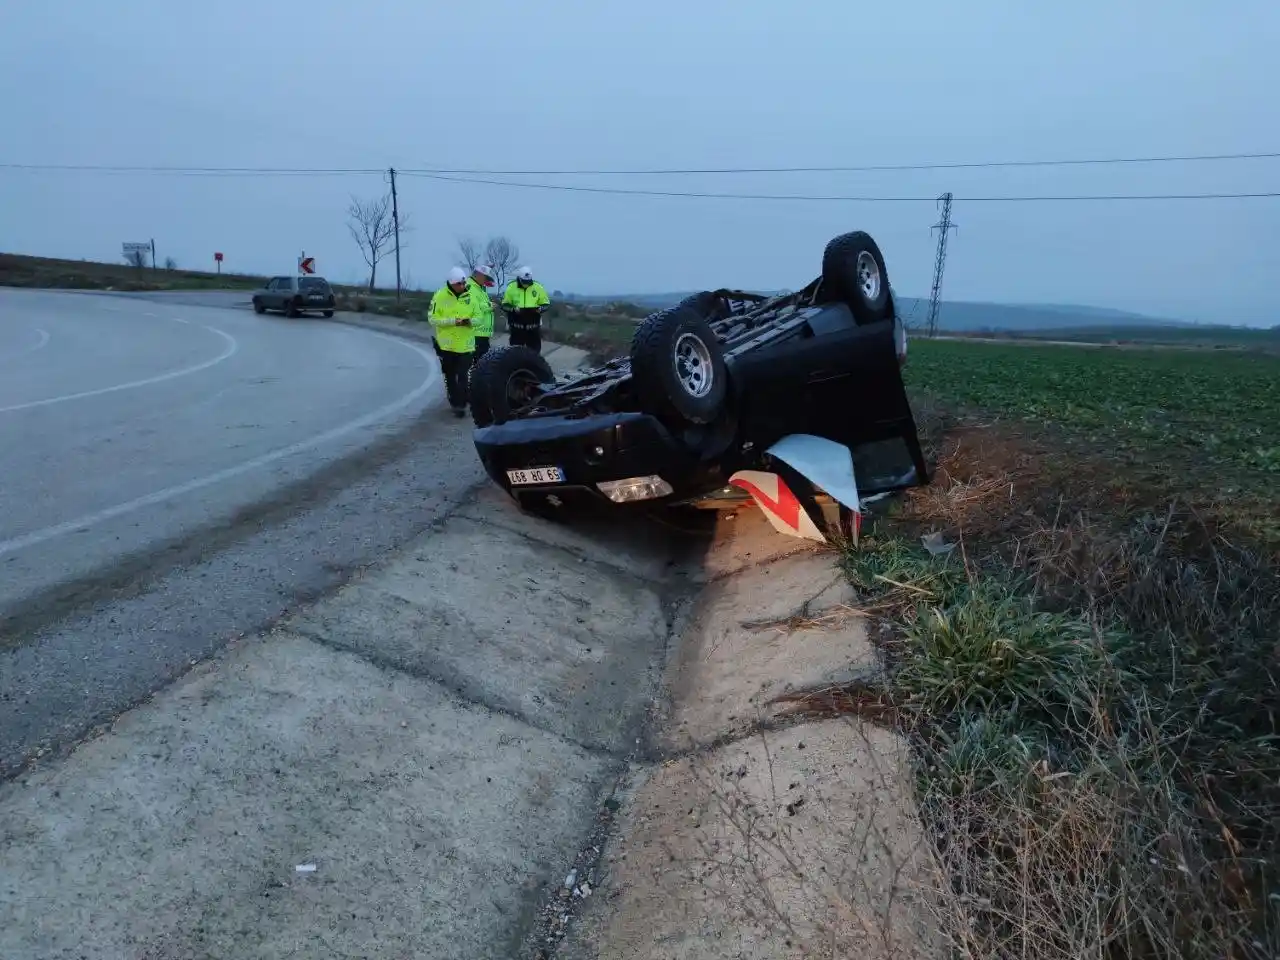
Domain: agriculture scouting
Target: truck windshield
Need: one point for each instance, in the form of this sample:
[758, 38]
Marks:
[315, 284]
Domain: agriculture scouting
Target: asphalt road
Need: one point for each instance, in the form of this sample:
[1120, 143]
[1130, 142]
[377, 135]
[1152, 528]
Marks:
[178, 471]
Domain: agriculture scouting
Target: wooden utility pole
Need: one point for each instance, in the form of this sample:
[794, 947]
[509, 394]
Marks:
[395, 220]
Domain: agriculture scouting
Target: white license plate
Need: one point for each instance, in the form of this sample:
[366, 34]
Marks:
[535, 475]
[316, 299]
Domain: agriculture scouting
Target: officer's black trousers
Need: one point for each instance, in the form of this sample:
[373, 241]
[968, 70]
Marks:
[527, 334]
[455, 367]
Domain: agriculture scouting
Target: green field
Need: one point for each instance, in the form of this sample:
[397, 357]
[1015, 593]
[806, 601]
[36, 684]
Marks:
[1088, 678]
[1202, 336]
[1216, 413]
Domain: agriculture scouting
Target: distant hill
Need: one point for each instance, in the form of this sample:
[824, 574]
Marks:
[966, 317]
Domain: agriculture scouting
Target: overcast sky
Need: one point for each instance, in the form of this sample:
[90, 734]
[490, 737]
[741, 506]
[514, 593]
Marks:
[663, 83]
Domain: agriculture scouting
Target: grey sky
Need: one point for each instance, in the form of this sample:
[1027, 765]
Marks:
[335, 83]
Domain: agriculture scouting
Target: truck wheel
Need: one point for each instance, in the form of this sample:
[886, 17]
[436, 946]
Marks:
[258, 307]
[853, 273]
[704, 304]
[677, 366]
[504, 380]
[291, 309]
[328, 313]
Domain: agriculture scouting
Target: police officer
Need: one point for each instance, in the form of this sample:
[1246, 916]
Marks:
[452, 318]
[481, 280]
[524, 303]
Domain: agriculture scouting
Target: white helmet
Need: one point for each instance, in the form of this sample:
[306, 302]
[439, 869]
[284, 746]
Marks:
[457, 275]
[484, 268]
[524, 273]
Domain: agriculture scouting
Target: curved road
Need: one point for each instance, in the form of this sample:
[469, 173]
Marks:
[153, 452]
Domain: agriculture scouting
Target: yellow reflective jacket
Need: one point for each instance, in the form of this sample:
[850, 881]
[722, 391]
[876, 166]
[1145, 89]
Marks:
[518, 298]
[447, 308]
[483, 322]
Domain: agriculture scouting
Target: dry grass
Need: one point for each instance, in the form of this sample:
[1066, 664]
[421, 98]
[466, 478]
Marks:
[1090, 684]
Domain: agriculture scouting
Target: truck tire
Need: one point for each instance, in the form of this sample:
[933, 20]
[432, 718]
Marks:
[503, 380]
[258, 307]
[704, 303]
[853, 273]
[677, 366]
[291, 308]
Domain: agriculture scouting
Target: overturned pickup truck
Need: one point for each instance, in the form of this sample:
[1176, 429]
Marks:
[796, 401]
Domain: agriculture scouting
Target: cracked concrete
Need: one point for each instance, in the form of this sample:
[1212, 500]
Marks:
[526, 628]
[430, 821]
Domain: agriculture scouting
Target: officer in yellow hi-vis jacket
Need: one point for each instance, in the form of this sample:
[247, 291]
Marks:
[452, 316]
[479, 283]
[524, 303]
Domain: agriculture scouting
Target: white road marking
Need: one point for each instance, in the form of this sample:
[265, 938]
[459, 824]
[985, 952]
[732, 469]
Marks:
[44, 341]
[169, 493]
[175, 319]
[233, 345]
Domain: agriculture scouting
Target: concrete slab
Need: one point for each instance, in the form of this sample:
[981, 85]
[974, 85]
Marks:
[771, 629]
[795, 843]
[634, 544]
[567, 645]
[744, 538]
[431, 824]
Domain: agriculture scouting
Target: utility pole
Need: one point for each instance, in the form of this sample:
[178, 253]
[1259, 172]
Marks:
[153, 254]
[395, 220]
[944, 227]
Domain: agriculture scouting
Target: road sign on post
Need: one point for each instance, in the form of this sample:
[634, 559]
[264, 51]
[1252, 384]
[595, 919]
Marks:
[307, 265]
[136, 253]
[217, 258]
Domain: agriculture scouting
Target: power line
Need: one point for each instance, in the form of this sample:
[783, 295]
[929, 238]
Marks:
[959, 165]
[623, 191]
[656, 171]
[195, 171]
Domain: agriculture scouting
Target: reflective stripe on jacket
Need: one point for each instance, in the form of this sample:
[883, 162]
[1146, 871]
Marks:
[521, 298]
[448, 307]
[483, 321]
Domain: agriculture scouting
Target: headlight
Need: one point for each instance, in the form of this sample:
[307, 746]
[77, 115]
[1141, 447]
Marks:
[635, 488]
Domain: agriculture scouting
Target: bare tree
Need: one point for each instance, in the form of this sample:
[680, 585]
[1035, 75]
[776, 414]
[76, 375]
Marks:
[469, 252]
[136, 258]
[374, 231]
[503, 256]
[170, 263]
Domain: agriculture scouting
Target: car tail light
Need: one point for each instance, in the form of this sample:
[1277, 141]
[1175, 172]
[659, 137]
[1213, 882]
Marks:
[635, 489]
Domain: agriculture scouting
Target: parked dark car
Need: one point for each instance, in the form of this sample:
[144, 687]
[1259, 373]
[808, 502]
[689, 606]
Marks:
[294, 296]
[713, 386]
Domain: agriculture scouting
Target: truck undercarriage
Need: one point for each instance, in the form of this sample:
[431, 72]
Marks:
[712, 389]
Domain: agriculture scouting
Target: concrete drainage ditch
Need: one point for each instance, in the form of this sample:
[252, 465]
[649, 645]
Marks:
[509, 739]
